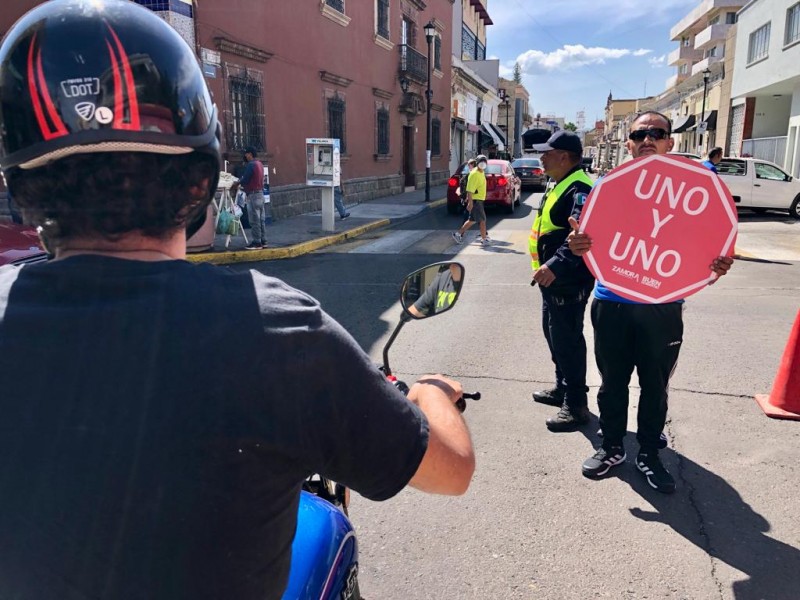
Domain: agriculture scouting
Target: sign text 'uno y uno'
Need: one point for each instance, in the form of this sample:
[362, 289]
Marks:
[656, 224]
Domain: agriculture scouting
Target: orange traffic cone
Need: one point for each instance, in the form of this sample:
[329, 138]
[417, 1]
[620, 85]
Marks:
[784, 401]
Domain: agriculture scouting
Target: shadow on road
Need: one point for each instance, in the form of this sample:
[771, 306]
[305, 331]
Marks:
[719, 522]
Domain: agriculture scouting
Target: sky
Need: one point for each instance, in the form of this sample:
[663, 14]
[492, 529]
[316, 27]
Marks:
[574, 52]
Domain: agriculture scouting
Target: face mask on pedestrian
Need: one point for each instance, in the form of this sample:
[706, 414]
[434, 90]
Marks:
[482, 166]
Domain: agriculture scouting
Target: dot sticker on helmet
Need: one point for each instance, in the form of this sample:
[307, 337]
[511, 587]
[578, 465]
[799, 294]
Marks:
[104, 115]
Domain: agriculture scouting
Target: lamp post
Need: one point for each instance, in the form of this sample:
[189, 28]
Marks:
[706, 77]
[430, 33]
[507, 104]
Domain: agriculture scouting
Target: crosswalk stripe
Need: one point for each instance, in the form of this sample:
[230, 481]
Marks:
[394, 242]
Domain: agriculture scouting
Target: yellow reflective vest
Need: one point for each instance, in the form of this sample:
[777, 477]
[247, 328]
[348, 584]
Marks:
[542, 224]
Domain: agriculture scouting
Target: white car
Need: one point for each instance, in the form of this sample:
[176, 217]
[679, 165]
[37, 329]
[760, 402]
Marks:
[760, 185]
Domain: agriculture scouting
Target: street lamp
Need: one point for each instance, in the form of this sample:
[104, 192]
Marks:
[706, 77]
[430, 33]
[507, 104]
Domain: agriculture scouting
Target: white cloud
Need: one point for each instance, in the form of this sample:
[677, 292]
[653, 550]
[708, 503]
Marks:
[605, 14]
[658, 61]
[534, 62]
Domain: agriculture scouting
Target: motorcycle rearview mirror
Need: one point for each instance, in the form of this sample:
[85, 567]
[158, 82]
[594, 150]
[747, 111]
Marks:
[427, 292]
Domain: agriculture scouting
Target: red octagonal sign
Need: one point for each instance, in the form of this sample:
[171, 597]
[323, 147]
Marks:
[656, 224]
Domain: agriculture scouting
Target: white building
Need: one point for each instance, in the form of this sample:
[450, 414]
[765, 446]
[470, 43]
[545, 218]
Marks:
[766, 82]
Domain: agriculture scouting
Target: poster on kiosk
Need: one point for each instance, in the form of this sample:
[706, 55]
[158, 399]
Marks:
[323, 169]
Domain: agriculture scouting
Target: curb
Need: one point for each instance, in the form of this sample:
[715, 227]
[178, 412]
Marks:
[242, 256]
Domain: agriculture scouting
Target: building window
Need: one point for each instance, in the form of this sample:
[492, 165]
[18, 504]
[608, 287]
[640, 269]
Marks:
[382, 25]
[480, 51]
[336, 122]
[730, 18]
[336, 5]
[436, 137]
[245, 117]
[758, 46]
[711, 52]
[437, 53]
[683, 69]
[382, 125]
[713, 21]
[685, 41]
[792, 24]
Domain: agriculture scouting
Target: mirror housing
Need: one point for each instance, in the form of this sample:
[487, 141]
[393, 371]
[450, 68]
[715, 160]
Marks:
[432, 290]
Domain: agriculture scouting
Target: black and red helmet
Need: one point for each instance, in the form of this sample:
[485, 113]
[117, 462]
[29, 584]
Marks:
[85, 76]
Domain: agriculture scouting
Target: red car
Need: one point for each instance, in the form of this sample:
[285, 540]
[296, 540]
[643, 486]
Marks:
[503, 187]
[19, 245]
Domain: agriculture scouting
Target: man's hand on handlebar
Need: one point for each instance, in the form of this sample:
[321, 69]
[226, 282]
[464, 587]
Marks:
[450, 387]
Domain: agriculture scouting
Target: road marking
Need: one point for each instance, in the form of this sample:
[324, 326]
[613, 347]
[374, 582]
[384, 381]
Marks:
[393, 243]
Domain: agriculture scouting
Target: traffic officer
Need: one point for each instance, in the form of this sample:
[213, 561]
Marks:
[565, 281]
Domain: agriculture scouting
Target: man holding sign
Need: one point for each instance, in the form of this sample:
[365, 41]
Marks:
[638, 329]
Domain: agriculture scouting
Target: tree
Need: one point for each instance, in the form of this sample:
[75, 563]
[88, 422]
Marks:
[517, 73]
[571, 127]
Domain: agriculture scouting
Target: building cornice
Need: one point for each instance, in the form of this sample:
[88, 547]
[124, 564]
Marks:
[231, 47]
[335, 79]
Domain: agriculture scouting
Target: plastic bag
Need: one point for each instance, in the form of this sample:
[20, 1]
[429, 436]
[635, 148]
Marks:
[225, 222]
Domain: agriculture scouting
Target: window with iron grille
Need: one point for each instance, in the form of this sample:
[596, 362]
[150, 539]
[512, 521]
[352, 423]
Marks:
[336, 121]
[336, 4]
[383, 18]
[436, 137]
[437, 53]
[245, 115]
[758, 46]
[383, 131]
[792, 24]
[468, 42]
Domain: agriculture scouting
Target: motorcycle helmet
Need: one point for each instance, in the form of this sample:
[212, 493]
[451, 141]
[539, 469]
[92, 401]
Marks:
[92, 76]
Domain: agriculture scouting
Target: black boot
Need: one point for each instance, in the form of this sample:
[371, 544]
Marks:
[568, 419]
[554, 397]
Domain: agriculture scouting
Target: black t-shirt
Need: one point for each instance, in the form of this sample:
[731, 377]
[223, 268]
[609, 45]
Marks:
[156, 423]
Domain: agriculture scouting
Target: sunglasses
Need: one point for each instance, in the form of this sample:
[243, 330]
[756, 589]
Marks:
[655, 134]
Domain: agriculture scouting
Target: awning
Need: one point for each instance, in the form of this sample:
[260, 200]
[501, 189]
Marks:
[459, 125]
[711, 121]
[499, 132]
[682, 124]
[487, 127]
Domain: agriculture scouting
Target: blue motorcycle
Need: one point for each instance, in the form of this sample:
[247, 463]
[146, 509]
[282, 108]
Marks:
[325, 549]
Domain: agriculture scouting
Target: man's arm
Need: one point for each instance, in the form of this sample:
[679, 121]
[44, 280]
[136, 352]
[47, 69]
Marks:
[248, 174]
[449, 461]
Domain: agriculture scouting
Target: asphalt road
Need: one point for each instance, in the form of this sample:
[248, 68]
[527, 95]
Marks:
[531, 526]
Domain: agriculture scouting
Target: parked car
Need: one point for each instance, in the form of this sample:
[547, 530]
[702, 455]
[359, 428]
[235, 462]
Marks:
[685, 155]
[503, 187]
[19, 244]
[760, 185]
[530, 171]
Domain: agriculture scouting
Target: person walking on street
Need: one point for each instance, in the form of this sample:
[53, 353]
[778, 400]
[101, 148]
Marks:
[338, 198]
[629, 335]
[714, 158]
[129, 470]
[252, 182]
[476, 195]
[462, 186]
[565, 281]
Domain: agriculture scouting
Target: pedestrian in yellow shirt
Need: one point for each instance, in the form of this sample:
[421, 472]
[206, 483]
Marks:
[476, 195]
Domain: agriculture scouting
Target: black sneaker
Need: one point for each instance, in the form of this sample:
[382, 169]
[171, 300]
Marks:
[554, 397]
[344, 216]
[657, 476]
[254, 246]
[663, 442]
[602, 461]
[568, 419]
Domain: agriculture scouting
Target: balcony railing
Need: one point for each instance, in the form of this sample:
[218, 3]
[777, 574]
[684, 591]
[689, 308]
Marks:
[701, 66]
[413, 64]
[682, 55]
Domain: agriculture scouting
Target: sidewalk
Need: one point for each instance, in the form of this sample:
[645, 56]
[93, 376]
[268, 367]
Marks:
[302, 234]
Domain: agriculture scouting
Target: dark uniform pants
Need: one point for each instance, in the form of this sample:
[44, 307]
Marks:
[562, 323]
[646, 337]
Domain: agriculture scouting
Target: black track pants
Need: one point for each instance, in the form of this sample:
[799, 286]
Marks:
[646, 337]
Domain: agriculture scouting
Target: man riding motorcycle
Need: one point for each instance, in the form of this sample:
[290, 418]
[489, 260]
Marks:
[129, 467]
